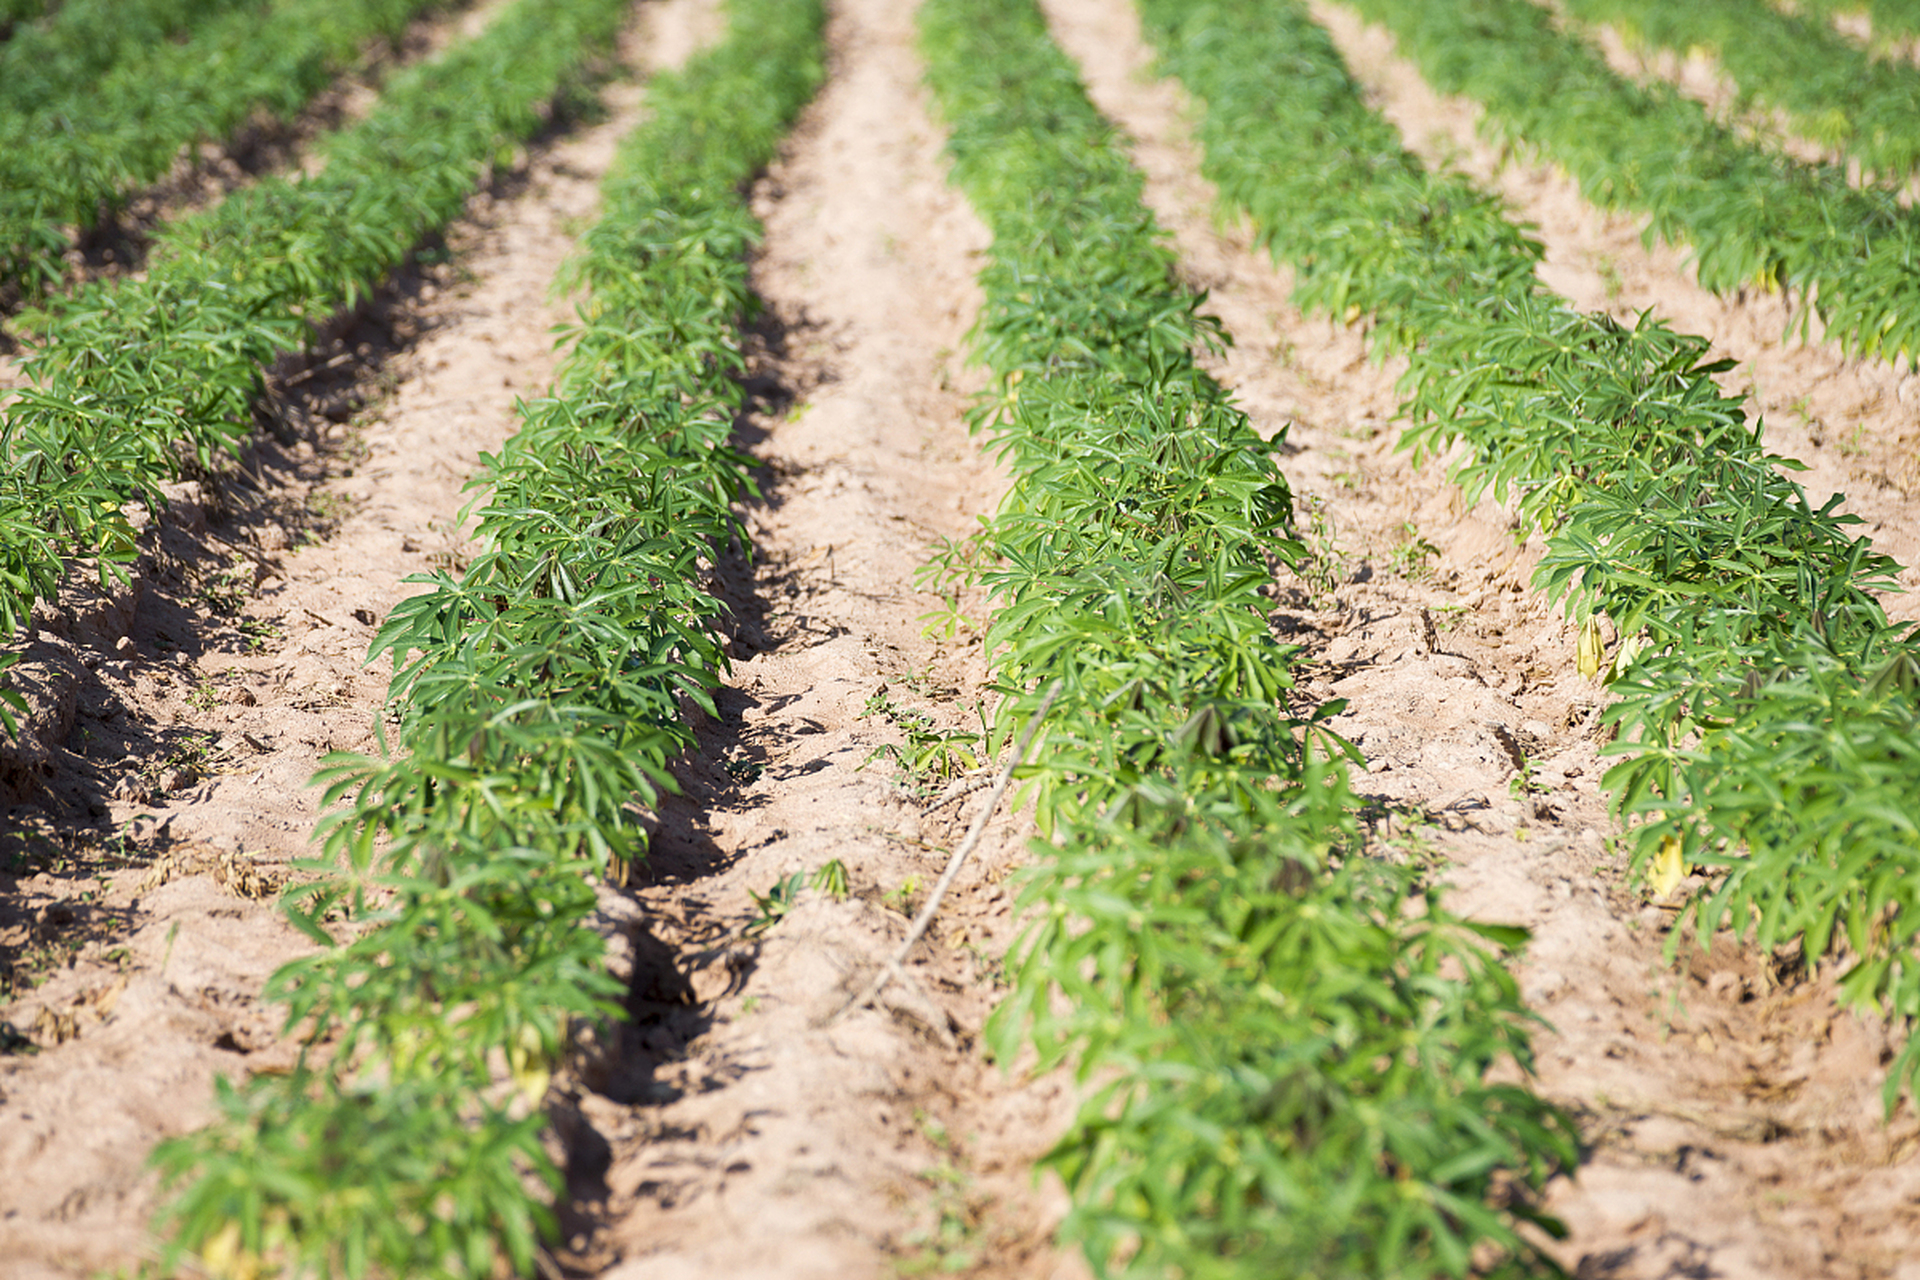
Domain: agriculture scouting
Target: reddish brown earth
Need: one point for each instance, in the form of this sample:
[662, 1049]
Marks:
[737, 1126]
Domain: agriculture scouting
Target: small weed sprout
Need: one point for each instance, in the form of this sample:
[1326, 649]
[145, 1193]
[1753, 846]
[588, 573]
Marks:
[952, 1243]
[1411, 554]
[772, 906]
[1610, 279]
[930, 756]
[226, 590]
[1523, 784]
[205, 696]
[901, 897]
[831, 879]
[330, 507]
[1323, 568]
[259, 633]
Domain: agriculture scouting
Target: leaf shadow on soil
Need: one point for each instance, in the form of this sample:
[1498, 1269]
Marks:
[211, 550]
[614, 1087]
[122, 715]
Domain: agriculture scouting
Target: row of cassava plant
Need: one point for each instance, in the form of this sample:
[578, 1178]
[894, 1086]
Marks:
[134, 380]
[540, 696]
[1291, 1040]
[1749, 217]
[47, 60]
[1831, 90]
[80, 152]
[1766, 707]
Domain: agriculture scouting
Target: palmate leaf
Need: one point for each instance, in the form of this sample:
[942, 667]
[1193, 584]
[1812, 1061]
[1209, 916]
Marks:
[401, 1176]
[1152, 1156]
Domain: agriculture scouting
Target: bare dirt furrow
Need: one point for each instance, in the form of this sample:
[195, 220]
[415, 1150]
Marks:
[178, 721]
[1731, 1115]
[744, 1129]
[1856, 424]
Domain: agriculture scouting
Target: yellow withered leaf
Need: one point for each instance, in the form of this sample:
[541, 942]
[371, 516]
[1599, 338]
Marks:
[1592, 648]
[225, 1257]
[1669, 868]
[532, 1081]
[1630, 648]
[532, 1073]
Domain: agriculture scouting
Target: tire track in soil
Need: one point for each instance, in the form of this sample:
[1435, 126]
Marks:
[732, 1132]
[1855, 423]
[178, 722]
[1731, 1114]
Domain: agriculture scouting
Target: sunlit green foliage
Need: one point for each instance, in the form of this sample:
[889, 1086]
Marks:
[540, 697]
[1292, 1060]
[1749, 217]
[45, 62]
[1832, 91]
[15, 12]
[1766, 706]
[134, 380]
[1891, 19]
[95, 141]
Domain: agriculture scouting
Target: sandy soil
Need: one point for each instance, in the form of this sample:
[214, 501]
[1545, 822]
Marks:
[736, 1125]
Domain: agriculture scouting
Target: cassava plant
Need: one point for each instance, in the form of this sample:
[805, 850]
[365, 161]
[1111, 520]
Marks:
[1750, 217]
[138, 380]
